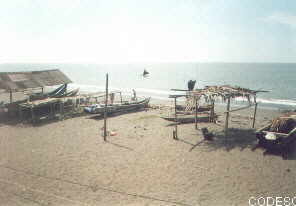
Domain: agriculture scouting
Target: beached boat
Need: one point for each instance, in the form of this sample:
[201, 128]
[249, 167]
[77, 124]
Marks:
[204, 117]
[69, 94]
[204, 108]
[279, 134]
[118, 107]
[57, 92]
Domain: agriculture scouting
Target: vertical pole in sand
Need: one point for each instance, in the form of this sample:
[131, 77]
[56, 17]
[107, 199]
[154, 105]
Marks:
[120, 97]
[105, 111]
[255, 111]
[213, 111]
[195, 112]
[10, 96]
[227, 117]
[175, 134]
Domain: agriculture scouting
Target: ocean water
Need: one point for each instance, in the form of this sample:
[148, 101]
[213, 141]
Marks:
[278, 78]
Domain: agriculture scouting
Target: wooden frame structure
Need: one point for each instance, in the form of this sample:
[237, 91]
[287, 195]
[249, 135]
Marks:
[226, 93]
[52, 103]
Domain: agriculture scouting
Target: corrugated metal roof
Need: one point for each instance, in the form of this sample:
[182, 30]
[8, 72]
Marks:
[20, 81]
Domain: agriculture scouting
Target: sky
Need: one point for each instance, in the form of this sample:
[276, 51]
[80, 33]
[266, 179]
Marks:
[125, 31]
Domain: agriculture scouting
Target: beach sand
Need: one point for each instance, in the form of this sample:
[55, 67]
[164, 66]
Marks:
[68, 163]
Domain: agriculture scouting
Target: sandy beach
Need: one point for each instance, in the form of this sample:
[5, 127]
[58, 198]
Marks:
[68, 163]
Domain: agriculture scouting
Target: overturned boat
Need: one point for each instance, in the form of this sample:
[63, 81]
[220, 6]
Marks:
[55, 93]
[125, 106]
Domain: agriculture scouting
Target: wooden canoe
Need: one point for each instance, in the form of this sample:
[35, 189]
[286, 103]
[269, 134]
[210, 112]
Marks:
[188, 118]
[118, 107]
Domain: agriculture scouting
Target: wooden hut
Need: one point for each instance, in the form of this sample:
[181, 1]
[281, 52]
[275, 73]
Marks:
[28, 82]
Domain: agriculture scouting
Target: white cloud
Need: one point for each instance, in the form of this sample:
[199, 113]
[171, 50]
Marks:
[282, 18]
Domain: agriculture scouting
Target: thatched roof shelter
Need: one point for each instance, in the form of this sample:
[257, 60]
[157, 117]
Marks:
[21, 81]
[224, 92]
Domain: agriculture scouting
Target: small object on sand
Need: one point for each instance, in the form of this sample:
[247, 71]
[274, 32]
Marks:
[206, 134]
[109, 133]
[112, 133]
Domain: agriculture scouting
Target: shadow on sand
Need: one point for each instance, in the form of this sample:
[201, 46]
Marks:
[236, 138]
[245, 139]
[115, 114]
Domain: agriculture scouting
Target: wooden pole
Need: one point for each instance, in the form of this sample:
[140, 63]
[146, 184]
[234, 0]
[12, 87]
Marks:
[195, 113]
[105, 111]
[255, 111]
[10, 96]
[227, 117]
[176, 121]
[120, 97]
[42, 90]
[213, 111]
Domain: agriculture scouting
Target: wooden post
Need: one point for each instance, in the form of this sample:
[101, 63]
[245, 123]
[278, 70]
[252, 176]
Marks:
[105, 111]
[213, 111]
[10, 96]
[255, 111]
[175, 134]
[42, 90]
[227, 117]
[120, 97]
[195, 113]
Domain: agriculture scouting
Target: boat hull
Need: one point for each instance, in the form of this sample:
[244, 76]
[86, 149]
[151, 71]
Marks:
[188, 118]
[114, 108]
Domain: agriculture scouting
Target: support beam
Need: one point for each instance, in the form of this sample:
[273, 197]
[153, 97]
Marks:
[105, 111]
[175, 133]
[254, 117]
[213, 111]
[196, 109]
[227, 117]
[10, 96]
[120, 97]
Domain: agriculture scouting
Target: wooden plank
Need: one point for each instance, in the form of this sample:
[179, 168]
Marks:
[178, 95]
[263, 128]
[292, 132]
[180, 90]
